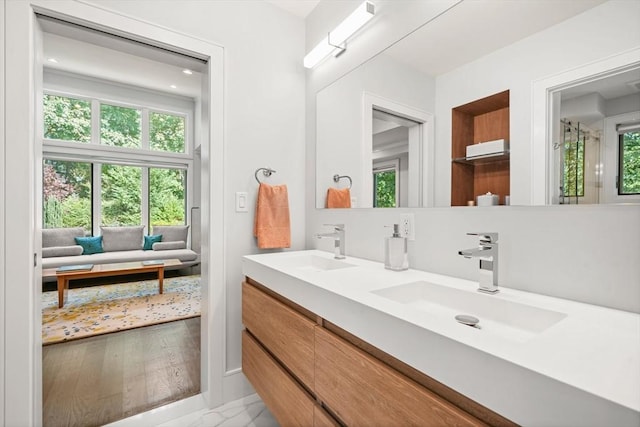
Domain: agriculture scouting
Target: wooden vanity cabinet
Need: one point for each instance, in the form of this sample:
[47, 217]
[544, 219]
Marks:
[284, 396]
[311, 373]
[353, 383]
[287, 334]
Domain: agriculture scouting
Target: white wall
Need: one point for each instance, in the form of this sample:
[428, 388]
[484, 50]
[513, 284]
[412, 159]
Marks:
[264, 115]
[585, 253]
[264, 126]
[2, 210]
[340, 115]
[599, 32]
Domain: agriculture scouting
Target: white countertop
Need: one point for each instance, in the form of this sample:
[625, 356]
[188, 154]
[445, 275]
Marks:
[584, 369]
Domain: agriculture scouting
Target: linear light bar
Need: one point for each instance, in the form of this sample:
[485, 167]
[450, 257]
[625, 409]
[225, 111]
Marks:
[336, 39]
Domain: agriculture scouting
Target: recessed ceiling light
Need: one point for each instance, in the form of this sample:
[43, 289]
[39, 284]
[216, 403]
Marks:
[187, 71]
[173, 87]
[54, 60]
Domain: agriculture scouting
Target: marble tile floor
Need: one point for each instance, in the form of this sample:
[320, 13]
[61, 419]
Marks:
[246, 412]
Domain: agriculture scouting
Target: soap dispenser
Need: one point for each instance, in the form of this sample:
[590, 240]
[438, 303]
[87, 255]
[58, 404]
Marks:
[395, 251]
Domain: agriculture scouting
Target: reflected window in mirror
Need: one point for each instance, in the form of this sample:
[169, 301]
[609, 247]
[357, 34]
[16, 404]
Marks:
[629, 161]
[596, 147]
[385, 183]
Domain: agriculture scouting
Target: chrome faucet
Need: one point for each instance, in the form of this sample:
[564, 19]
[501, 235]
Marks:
[487, 251]
[338, 237]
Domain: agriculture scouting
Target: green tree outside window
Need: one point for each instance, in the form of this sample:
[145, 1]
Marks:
[167, 196]
[166, 132]
[120, 126]
[385, 189]
[67, 119]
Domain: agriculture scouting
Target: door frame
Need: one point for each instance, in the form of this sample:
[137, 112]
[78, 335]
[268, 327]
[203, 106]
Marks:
[22, 381]
[421, 141]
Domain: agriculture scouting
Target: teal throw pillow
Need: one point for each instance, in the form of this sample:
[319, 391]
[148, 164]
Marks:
[90, 245]
[150, 240]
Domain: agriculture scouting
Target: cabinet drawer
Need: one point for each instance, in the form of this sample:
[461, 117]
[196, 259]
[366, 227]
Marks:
[322, 419]
[285, 398]
[361, 390]
[287, 334]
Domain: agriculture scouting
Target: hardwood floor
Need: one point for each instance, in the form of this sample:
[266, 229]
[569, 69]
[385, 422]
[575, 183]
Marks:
[97, 380]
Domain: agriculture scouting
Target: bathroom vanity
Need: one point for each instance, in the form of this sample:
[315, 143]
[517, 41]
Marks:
[330, 342]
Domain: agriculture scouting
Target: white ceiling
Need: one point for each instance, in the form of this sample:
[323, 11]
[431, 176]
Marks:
[474, 28]
[300, 8]
[92, 53]
[471, 29]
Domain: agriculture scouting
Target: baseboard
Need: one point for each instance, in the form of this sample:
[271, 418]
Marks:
[236, 386]
[164, 413]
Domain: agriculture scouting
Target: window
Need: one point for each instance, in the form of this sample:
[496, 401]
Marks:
[66, 193]
[99, 183]
[385, 184]
[167, 203]
[574, 168]
[121, 195]
[629, 162]
[67, 119]
[166, 132]
[120, 126]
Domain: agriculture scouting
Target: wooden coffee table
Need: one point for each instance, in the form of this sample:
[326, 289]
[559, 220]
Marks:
[102, 270]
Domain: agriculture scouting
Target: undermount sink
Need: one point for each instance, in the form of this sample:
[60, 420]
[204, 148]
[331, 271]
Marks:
[314, 263]
[507, 319]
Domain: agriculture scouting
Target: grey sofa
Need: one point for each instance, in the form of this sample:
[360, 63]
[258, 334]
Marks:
[119, 244]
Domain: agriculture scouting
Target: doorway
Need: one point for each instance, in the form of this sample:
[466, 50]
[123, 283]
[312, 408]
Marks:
[23, 344]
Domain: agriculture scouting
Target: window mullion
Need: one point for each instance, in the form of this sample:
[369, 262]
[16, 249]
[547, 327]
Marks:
[96, 199]
[144, 199]
[95, 122]
[145, 129]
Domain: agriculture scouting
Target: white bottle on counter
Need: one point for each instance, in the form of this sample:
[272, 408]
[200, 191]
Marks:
[396, 256]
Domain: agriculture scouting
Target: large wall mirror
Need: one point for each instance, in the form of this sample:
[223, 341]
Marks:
[387, 124]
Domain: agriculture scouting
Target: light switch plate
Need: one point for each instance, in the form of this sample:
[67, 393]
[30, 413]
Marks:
[241, 201]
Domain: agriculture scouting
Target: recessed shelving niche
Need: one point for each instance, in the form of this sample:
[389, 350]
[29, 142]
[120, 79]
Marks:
[483, 120]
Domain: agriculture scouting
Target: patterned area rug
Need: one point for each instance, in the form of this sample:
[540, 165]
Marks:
[102, 309]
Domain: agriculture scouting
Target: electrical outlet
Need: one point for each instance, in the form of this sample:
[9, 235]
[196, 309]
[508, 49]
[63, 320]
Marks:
[407, 226]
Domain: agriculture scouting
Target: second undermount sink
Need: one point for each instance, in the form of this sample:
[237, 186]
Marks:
[511, 320]
[314, 263]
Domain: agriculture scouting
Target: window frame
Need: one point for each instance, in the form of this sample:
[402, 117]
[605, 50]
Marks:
[620, 170]
[610, 158]
[97, 154]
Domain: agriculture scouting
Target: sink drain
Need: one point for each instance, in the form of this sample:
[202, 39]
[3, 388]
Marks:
[468, 320]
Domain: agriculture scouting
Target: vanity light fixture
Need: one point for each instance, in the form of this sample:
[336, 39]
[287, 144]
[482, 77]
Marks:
[336, 41]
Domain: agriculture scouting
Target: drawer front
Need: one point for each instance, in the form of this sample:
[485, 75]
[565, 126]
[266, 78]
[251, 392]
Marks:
[322, 419]
[287, 334]
[285, 398]
[361, 390]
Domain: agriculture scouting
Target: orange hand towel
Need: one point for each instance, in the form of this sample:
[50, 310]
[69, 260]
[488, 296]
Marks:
[338, 198]
[272, 227]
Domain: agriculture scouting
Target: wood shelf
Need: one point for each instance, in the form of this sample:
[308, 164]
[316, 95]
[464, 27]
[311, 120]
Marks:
[485, 158]
[485, 119]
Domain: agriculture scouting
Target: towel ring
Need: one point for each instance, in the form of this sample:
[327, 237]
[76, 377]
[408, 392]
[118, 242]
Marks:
[337, 178]
[265, 171]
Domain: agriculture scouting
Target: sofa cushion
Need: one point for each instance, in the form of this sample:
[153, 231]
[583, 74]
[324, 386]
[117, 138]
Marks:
[122, 238]
[172, 233]
[167, 246]
[90, 245]
[184, 255]
[52, 237]
[149, 241]
[62, 251]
